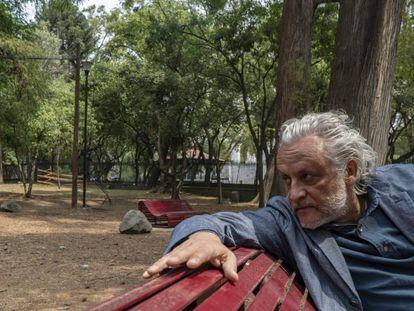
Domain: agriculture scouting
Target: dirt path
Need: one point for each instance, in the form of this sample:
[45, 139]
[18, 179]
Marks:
[53, 257]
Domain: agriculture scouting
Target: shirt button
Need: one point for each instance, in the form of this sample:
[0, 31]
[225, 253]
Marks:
[385, 248]
[360, 228]
[353, 302]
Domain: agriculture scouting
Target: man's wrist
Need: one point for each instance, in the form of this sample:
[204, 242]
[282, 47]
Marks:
[205, 234]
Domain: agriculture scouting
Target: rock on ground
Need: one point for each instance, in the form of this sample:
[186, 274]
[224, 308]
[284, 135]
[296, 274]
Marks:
[135, 222]
[10, 206]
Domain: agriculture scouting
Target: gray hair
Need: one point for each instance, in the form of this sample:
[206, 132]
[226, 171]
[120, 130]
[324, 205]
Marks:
[342, 141]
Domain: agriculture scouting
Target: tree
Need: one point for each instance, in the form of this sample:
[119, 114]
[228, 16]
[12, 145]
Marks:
[77, 41]
[240, 36]
[401, 135]
[293, 75]
[32, 104]
[363, 68]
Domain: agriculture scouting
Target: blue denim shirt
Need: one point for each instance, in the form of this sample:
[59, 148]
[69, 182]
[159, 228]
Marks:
[326, 257]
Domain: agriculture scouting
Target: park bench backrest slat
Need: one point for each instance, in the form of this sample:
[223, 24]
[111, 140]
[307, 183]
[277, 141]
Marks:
[140, 293]
[166, 213]
[143, 293]
[161, 207]
[180, 295]
[232, 296]
[271, 291]
[297, 303]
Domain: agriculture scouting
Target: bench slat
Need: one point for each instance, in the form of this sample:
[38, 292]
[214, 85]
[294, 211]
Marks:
[166, 213]
[295, 300]
[271, 292]
[183, 293]
[232, 296]
[142, 292]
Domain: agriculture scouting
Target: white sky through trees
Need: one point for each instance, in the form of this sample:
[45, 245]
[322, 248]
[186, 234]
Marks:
[108, 4]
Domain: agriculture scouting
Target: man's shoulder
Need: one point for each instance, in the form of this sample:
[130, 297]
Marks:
[394, 177]
[397, 170]
[280, 204]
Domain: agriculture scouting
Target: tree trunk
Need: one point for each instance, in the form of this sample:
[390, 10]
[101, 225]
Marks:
[259, 173]
[363, 68]
[76, 131]
[136, 161]
[219, 186]
[21, 171]
[208, 168]
[31, 174]
[293, 95]
[1, 165]
[173, 177]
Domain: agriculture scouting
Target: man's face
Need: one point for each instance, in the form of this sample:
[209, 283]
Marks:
[316, 190]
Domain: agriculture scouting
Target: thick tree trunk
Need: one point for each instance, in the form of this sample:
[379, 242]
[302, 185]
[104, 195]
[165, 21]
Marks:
[1, 165]
[76, 131]
[363, 68]
[293, 77]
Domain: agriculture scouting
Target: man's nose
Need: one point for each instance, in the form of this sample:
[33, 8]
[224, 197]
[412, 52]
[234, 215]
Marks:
[296, 192]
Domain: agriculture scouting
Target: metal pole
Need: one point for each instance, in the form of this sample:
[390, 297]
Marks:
[85, 137]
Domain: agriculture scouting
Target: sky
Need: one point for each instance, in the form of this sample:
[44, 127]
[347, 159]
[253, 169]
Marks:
[108, 4]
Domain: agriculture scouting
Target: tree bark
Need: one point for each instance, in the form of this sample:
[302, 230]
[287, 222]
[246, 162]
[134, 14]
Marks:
[1, 165]
[293, 95]
[31, 170]
[219, 185]
[76, 131]
[363, 68]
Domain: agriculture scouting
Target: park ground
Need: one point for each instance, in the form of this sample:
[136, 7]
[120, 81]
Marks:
[54, 257]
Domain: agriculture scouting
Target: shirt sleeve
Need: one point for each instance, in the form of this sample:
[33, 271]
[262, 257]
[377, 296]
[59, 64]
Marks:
[263, 228]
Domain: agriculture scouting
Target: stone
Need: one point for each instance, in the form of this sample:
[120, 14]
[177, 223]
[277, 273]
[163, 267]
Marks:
[10, 206]
[135, 222]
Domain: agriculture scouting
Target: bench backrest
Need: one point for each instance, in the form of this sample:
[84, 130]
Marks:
[263, 284]
[162, 207]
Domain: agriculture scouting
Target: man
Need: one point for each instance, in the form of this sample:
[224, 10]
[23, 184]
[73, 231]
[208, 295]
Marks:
[346, 226]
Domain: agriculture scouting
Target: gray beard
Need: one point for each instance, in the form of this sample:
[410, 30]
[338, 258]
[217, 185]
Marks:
[337, 205]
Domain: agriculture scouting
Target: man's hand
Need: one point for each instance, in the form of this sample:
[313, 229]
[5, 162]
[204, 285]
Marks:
[199, 248]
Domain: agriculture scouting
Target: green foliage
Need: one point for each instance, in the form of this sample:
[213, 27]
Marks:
[401, 137]
[323, 40]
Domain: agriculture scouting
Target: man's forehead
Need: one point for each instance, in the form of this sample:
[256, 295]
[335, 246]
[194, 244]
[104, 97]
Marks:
[308, 149]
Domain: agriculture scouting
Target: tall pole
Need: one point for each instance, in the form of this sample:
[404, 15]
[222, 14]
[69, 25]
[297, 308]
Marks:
[85, 139]
[75, 131]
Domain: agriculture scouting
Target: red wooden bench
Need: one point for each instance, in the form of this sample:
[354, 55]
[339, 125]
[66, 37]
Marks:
[166, 213]
[264, 284]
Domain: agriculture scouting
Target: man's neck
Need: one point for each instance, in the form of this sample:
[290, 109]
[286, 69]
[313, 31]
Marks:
[356, 205]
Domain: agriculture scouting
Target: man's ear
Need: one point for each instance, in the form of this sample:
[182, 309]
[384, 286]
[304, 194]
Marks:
[351, 172]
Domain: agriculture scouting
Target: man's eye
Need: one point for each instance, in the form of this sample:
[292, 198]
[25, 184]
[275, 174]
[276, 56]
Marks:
[308, 177]
[287, 180]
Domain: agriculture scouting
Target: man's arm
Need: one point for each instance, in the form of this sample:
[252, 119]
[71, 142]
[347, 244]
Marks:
[203, 239]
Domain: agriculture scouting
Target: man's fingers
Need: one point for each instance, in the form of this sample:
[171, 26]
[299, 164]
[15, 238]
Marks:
[216, 262]
[156, 268]
[200, 248]
[177, 257]
[229, 264]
